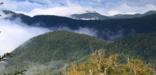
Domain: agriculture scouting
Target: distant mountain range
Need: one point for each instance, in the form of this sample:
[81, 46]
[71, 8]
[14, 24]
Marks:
[97, 16]
[106, 27]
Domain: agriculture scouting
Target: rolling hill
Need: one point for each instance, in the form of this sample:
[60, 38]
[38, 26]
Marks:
[58, 47]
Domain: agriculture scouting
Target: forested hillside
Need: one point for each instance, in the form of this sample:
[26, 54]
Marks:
[56, 50]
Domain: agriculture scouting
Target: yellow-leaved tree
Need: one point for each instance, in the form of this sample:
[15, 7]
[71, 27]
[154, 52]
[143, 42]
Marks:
[99, 64]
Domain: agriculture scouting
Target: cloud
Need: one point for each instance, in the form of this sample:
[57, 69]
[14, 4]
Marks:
[122, 9]
[109, 9]
[61, 11]
[14, 34]
[80, 30]
[68, 7]
[87, 31]
[8, 5]
[127, 9]
[25, 6]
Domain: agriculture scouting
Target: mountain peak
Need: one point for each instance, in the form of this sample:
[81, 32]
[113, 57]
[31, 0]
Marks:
[150, 12]
[8, 12]
[89, 16]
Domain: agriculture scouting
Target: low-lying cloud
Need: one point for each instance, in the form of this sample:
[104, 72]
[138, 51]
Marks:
[80, 30]
[13, 34]
[87, 31]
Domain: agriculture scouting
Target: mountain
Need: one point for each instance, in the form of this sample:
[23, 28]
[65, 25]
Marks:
[89, 16]
[121, 16]
[59, 46]
[10, 15]
[66, 44]
[152, 12]
[96, 16]
[62, 47]
[109, 29]
[139, 45]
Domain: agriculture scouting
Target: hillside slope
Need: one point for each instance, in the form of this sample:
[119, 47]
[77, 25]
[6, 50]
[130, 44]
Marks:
[139, 45]
[62, 47]
[56, 46]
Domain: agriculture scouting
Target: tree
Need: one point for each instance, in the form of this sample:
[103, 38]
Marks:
[99, 64]
[5, 56]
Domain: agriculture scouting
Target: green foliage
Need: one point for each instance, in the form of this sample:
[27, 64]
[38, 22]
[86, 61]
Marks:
[62, 47]
[55, 46]
[139, 46]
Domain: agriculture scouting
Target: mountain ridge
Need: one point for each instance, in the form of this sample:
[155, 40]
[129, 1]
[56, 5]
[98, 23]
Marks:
[106, 29]
[93, 15]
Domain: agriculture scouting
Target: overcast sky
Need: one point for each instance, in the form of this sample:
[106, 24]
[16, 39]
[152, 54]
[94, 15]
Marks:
[68, 7]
